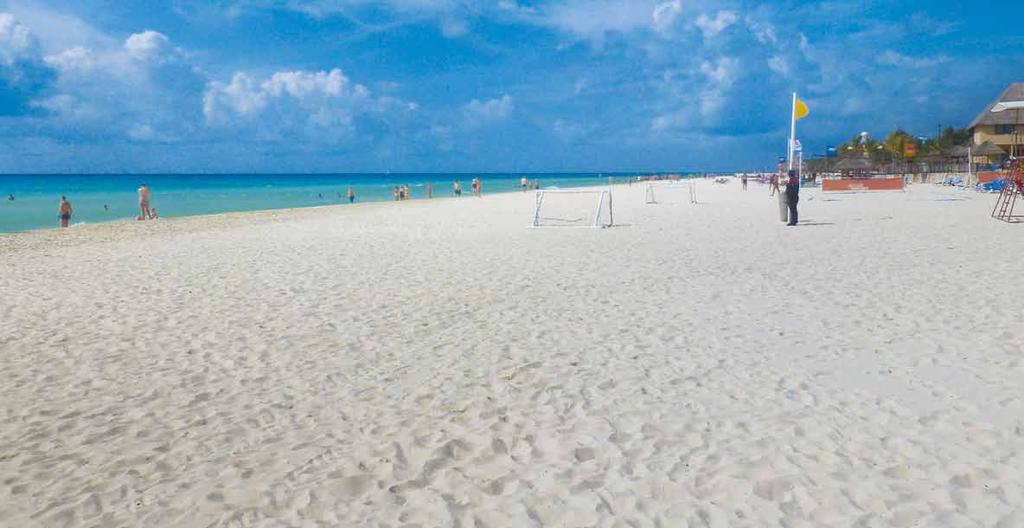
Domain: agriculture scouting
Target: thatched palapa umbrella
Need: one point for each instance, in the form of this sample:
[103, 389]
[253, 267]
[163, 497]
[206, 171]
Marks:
[855, 165]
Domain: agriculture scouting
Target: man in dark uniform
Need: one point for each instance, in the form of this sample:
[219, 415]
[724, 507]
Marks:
[792, 196]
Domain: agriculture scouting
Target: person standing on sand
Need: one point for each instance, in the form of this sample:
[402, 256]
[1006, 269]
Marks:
[394, 194]
[792, 196]
[430, 190]
[64, 212]
[144, 212]
[522, 183]
[351, 194]
[457, 188]
[743, 180]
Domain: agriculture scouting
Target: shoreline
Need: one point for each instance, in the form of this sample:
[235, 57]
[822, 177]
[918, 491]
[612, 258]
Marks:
[173, 225]
[125, 220]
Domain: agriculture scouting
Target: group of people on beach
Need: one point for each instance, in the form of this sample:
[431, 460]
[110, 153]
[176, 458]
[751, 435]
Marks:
[65, 210]
[401, 193]
[528, 185]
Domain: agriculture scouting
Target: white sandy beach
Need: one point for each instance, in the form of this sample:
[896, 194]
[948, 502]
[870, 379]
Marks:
[440, 364]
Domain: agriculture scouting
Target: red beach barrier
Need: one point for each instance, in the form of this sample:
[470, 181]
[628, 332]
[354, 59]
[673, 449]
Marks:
[862, 184]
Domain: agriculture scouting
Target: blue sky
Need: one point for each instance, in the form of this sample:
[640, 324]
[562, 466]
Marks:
[504, 85]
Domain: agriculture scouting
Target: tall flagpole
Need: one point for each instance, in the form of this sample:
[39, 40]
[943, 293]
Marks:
[792, 132]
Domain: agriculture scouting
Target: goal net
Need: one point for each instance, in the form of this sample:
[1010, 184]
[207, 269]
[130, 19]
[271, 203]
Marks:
[672, 191]
[572, 208]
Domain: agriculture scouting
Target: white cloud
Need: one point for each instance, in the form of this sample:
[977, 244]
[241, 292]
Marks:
[666, 13]
[141, 132]
[778, 65]
[321, 104]
[490, 109]
[892, 58]
[146, 45]
[721, 72]
[16, 40]
[711, 27]
[452, 27]
[764, 32]
[669, 121]
[76, 58]
[593, 19]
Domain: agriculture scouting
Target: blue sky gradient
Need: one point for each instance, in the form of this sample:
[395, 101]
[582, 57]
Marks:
[506, 85]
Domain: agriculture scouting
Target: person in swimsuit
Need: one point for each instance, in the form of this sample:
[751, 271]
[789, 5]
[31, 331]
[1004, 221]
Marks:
[457, 188]
[351, 195]
[394, 194]
[143, 202]
[430, 190]
[522, 183]
[64, 213]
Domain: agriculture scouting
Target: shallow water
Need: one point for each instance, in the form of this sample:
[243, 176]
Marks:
[112, 197]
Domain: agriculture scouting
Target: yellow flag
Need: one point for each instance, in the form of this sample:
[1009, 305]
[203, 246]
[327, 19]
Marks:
[800, 111]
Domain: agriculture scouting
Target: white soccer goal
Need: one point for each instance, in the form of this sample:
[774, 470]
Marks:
[573, 208]
[670, 187]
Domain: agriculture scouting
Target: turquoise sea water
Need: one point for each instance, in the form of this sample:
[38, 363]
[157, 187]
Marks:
[36, 196]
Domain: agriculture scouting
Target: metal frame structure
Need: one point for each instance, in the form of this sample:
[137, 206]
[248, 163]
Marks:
[539, 200]
[649, 191]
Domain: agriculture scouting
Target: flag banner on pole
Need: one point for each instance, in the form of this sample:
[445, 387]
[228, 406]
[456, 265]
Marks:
[796, 145]
[800, 110]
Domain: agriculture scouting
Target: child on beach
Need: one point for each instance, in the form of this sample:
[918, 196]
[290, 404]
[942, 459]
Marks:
[64, 212]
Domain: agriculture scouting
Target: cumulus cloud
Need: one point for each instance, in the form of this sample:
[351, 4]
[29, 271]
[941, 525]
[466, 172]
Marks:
[593, 19]
[325, 98]
[24, 75]
[146, 45]
[16, 41]
[490, 109]
[319, 105]
[711, 27]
